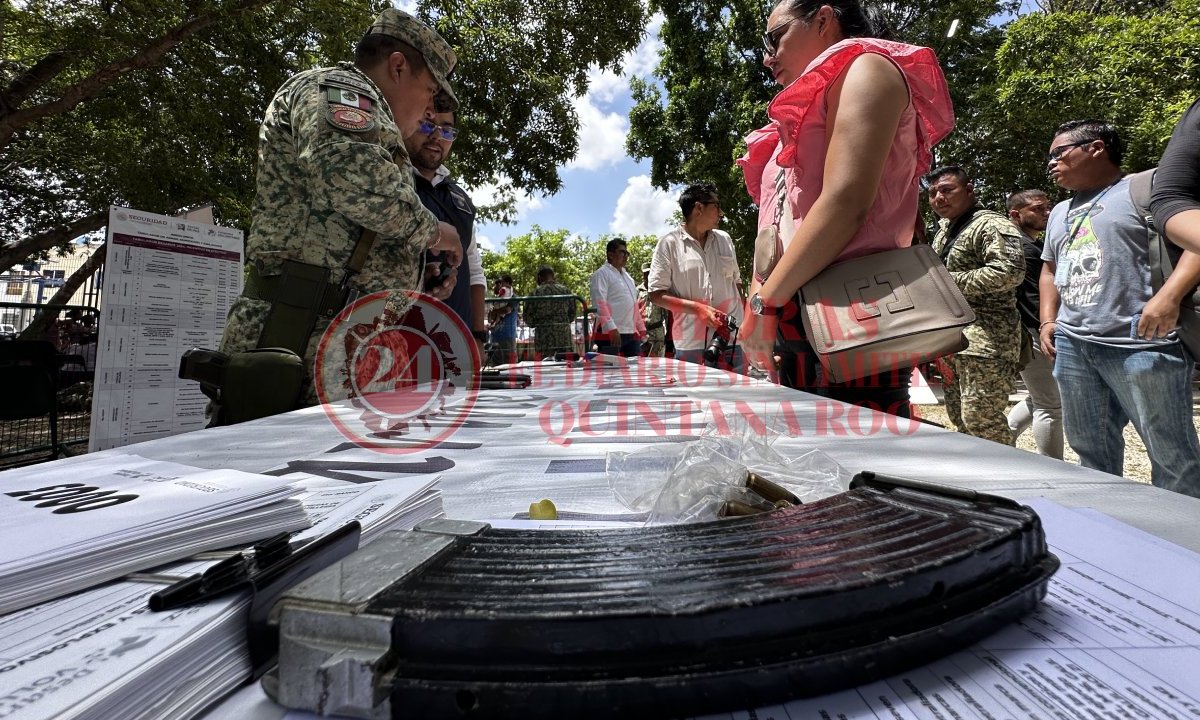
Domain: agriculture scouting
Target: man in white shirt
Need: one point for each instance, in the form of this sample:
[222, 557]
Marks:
[694, 275]
[619, 326]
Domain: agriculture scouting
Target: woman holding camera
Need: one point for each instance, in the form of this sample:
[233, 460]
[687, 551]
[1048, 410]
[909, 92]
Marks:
[849, 139]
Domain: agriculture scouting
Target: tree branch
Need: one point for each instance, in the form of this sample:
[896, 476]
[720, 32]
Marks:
[13, 120]
[42, 72]
[41, 322]
[10, 255]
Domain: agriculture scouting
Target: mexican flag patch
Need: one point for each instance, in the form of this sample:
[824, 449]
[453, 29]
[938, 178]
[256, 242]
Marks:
[341, 96]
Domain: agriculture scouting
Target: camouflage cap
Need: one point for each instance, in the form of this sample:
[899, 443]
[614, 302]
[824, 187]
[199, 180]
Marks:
[437, 53]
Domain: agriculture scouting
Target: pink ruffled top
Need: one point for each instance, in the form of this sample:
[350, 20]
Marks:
[795, 140]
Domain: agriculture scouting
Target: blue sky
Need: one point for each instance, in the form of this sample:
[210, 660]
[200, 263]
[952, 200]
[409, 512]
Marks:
[603, 189]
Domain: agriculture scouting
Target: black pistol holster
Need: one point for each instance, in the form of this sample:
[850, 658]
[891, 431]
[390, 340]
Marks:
[269, 379]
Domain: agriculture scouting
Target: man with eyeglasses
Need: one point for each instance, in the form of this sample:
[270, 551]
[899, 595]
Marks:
[429, 149]
[619, 326]
[335, 212]
[982, 250]
[1117, 357]
[694, 275]
[1042, 407]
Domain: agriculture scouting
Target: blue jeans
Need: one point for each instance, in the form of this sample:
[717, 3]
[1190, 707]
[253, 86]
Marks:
[738, 364]
[1105, 386]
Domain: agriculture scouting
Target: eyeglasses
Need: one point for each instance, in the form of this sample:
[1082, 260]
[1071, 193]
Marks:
[772, 37]
[445, 132]
[1058, 152]
[714, 203]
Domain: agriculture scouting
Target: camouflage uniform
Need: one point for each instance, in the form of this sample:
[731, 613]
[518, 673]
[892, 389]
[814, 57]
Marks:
[321, 180]
[656, 325]
[988, 264]
[551, 320]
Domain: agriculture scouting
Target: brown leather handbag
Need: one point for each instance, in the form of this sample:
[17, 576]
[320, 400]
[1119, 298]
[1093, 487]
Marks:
[883, 312]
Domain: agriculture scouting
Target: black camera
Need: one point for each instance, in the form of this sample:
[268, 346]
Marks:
[723, 340]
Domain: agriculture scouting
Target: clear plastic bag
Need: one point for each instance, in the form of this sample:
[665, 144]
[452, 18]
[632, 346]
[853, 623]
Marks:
[693, 482]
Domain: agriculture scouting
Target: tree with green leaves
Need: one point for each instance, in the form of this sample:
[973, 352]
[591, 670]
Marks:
[157, 106]
[711, 88]
[1139, 70]
[572, 257]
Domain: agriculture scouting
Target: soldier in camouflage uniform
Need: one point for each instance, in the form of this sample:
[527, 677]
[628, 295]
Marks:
[982, 251]
[332, 164]
[655, 317]
[550, 319]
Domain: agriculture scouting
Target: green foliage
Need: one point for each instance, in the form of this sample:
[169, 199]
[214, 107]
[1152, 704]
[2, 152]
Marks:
[1140, 73]
[714, 89]
[521, 64]
[167, 131]
[573, 258]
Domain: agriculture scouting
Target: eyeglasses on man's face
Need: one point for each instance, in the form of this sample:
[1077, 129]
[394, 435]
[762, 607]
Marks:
[714, 203]
[445, 132]
[1057, 152]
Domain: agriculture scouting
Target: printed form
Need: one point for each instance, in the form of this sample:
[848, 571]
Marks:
[1116, 637]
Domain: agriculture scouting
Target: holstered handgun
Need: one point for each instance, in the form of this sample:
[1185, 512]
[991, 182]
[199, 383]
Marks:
[299, 295]
[246, 385]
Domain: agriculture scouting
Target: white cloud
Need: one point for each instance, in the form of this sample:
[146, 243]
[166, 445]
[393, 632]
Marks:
[644, 58]
[483, 242]
[601, 136]
[642, 209]
[490, 193]
[602, 133]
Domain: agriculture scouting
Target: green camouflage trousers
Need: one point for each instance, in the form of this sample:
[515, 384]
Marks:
[977, 391]
[551, 339]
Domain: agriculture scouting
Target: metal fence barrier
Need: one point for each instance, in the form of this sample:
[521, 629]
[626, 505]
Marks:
[73, 335]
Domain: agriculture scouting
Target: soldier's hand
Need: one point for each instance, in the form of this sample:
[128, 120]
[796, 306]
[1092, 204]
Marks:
[448, 242]
[441, 292]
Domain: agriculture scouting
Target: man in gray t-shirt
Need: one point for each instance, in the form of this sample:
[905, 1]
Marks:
[1116, 356]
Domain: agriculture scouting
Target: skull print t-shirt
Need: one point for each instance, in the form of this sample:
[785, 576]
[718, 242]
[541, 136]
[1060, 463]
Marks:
[1098, 243]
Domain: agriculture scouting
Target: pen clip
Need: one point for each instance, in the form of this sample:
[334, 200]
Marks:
[273, 568]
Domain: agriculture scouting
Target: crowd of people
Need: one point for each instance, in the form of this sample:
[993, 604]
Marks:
[1063, 296]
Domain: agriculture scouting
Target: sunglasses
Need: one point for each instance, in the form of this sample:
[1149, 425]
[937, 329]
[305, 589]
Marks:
[772, 37]
[445, 132]
[1061, 150]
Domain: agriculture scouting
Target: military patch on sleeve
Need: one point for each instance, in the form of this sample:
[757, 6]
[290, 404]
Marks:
[350, 118]
[350, 103]
[342, 96]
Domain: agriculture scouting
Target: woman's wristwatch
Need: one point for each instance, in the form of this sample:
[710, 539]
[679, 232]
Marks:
[758, 308]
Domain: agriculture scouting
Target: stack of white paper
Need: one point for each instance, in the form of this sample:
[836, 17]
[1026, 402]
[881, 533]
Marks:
[102, 654]
[399, 503]
[69, 528]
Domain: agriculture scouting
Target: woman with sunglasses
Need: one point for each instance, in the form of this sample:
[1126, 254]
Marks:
[849, 139]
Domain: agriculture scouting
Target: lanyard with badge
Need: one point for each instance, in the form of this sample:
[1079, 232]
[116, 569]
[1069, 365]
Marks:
[1084, 215]
[1063, 271]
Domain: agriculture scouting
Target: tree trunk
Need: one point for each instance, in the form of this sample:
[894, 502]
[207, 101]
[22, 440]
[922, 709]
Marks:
[14, 118]
[41, 322]
[21, 250]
